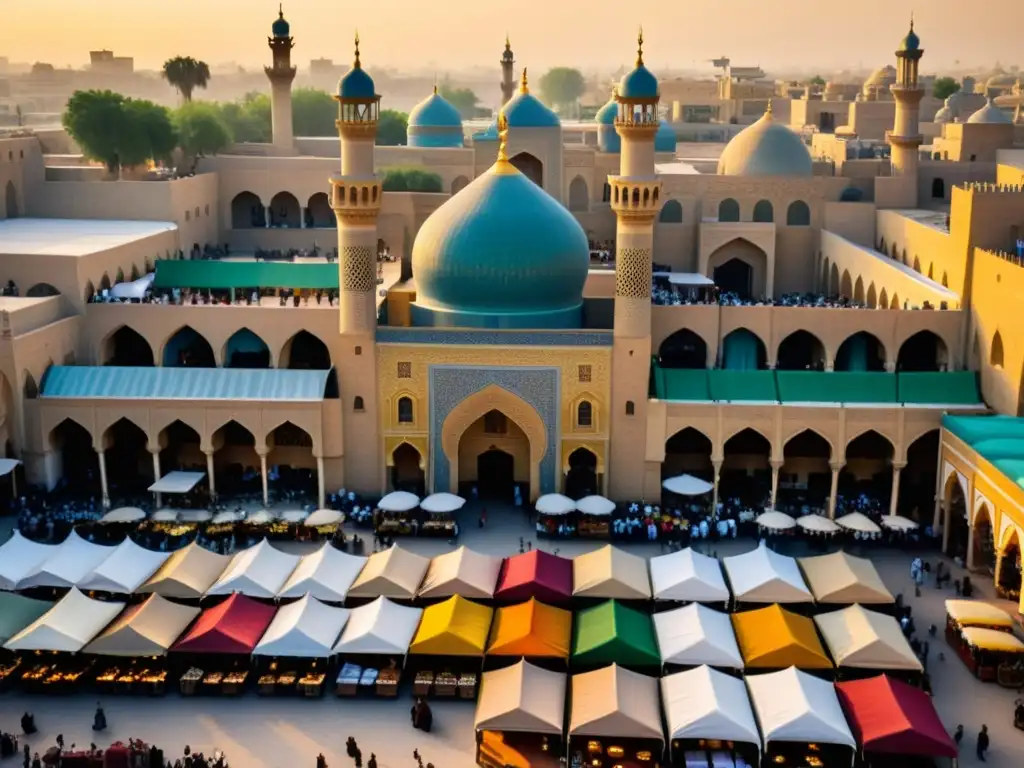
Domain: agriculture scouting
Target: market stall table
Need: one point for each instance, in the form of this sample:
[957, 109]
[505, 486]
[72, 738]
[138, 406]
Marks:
[594, 517]
[16, 613]
[448, 648]
[376, 637]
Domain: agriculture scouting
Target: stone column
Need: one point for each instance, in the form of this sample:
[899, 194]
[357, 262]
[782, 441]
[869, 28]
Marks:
[209, 474]
[969, 560]
[718, 470]
[320, 487]
[264, 480]
[156, 474]
[834, 490]
[104, 490]
[894, 503]
[267, 213]
[776, 465]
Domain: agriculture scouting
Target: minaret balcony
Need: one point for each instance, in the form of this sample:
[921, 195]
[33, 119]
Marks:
[356, 198]
[635, 198]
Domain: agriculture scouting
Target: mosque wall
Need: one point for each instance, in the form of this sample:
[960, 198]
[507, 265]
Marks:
[871, 119]
[924, 246]
[936, 179]
[20, 163]
[1010, 174]
[997, 343]
[854, 221]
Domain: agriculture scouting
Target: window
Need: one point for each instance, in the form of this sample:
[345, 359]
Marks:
[405, 410]
[585, 414]
[405, 370]
[495, 423]
[357, 403]
[671, 213]
[799, 215]
[188, 215]
[728, 210]
[630, 408]
[207, 209]
[764, 212]
[359, 350]
[585, 374]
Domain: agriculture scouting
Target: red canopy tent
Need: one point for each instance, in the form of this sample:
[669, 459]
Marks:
[234, 626]
[889, 716]
[535, 574]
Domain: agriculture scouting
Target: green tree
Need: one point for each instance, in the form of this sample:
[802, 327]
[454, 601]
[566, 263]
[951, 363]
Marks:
[392, 128]
[156, 128]
[412, 180]
[562, 86]
[116, 131]
[817, 80]
[249, 119]
[944, 87]
[463, 99]
[201, 131]
[313, 112]
[186, 74]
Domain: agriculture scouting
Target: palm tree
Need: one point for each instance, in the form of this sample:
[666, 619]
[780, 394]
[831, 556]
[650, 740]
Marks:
[186, 74]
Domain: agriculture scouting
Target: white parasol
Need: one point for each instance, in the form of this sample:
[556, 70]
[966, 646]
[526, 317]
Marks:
[776, 521]
[856, 521]
[595, 505]
[687, 485]
[399, 501]
[324, 517]
[898, 523]
[123, 515]
[555, 504]
[817, 523]
[439, 503]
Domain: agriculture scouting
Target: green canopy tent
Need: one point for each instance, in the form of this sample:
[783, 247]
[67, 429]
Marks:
[17, 612]
[611, 633]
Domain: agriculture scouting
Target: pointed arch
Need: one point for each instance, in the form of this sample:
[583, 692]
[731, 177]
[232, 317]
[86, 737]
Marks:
[917, 264]
[924, 351]
[245, 349]
[11, 201]
[688, 451]
[739, 266]
[858, 290]
[883, 299]
[187, 348]
[808, 442]
[846, 285]
[304, 351]
[530, 166]
[833, 281]
[671, 212]
[995, 357]
[801, 351]
[861, 351]
[743, 350]
[872, 297]
[285, 211]
[126, 347]
[683, 349]
[579, 196]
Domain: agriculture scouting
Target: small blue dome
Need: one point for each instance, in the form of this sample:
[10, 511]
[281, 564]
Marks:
[606, 115]
[280, 27]
[502, 253]
[911, 42]
[356, 84]
[490, 133]
[639, 84]
[665, 138]
[524, 110]
[435, 112]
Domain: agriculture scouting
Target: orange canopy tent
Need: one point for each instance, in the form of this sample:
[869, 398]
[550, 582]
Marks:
[531, 629]
[774, 638]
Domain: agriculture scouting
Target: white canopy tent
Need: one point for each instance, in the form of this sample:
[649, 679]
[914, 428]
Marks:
[794, 706]
[380, 628]
[258, 571]
[127, 568]
[817, 524]
[775, 521]
[68, 626]
[844, 579]
[439, 503]
[164, 516]
[324, 517]
[687, 575]
[703, 703]
[21, 557]
[687, 485]
[862, 639]
[613, 702]
[611, 573]
[325, 574]
[555, 504]
[146, 629]
[858, 522]
[187, 573]
[262, 517]
[898, 523]
[177, 482]
[70, 562]
[295, 516]
[396, 573]
[306, 629]
[123, 515]
[7, 466]
[521, 698]
[598, 506]
[399, 501]
[695, 635]
[134, 289]
[461, 572]
[195, 515]
[765, 576]
[227, 517]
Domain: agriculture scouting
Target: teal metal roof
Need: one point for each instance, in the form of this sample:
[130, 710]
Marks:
[113, 382]
[997, 439]
[222, 275]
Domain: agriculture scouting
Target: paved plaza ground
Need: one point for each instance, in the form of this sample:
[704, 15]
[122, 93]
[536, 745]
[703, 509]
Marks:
[288, 733]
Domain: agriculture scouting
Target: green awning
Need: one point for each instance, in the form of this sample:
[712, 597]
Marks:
[739, 386]
[611, 633]
[836, 387]
[682, 384]
[17, 612]
[939, 388]
[223, 275]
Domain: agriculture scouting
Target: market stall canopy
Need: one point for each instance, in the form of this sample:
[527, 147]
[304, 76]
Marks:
[188, 573]
[461, 572]
[611, 633]
[69, 563]
[695, 635]
[610, 572]
[262, 517]
[844, 579]
[794, 706]
[227, 517]
[305, 629]
[123, 515]
[127, 568]
[7, 466]
[325, 574]
[399, 501]
[774, 638]
[614, 702]
[164, 516]
[687, 575]
[521, 699]
[687, 485]
[68, 626]
[555, 504]
[380, 628]
[441, 503]
[890, 717]
[456, 627]
[396, 573]
[324, 517]
[898, 523]
[195, 515]
[20, 558]
[775, 521]
[146, 629]
[858, 522]
[974, 613]
[817, 524]
[765, 576]
[258, 571]
[703, 703]
[17, 612]
[598, 506]
[294, 516]
[177, 482]
[234, 626]
[531, 629]
[535, 574]
[862, 639]
[992, 640]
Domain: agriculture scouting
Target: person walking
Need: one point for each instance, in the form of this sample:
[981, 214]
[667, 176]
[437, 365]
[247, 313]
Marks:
[982, 743]
[958, 735]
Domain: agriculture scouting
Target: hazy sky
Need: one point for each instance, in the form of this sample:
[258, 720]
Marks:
[459, 33]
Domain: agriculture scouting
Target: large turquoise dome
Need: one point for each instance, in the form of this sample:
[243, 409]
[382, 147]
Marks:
[356, 84]
[434, 122]
[640, 83]
[524, 110]
[502, 253]
[665, 138]
[606, 115]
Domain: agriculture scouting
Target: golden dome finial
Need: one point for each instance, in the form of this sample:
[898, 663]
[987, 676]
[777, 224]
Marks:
[280, 10]
[357, 64]
[508, 43]
[911, 21]
[640, 47]
[502, 137]
[524, 83]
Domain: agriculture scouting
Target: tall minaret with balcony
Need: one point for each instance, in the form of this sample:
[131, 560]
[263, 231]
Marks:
[356, 200]
[281, 74]
[636, 199]
[905, 137]
[508, 75]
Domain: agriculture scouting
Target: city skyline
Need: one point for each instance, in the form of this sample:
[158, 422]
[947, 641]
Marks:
[775, 34]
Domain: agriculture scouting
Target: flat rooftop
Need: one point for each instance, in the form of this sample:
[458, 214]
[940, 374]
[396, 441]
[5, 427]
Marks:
[73, 237]
[933, 219]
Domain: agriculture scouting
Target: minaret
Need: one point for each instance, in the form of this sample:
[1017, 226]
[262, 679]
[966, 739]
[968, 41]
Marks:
[905, 137]
[636, 200]
[508, 77]
[281, 74]
[356, 199]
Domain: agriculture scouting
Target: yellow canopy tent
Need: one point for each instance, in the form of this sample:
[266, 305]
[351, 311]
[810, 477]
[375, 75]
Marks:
[774, 638]
[456, 627]
[975, 613]
[531, 629]
[992, 640]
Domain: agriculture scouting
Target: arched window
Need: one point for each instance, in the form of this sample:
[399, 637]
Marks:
[630, 408]
[671, 213]
[585, 414]
[728, 210]
[30, 388]
[799, 215]
[764, 212]
[606, 195]
[405, 410]
[357, 403]
[938, 189]
[995, 357]
[579, 196]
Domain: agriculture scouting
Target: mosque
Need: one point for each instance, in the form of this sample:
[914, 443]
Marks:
[807, 321]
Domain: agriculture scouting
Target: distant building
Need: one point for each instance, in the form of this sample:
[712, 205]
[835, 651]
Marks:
[105, 62]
